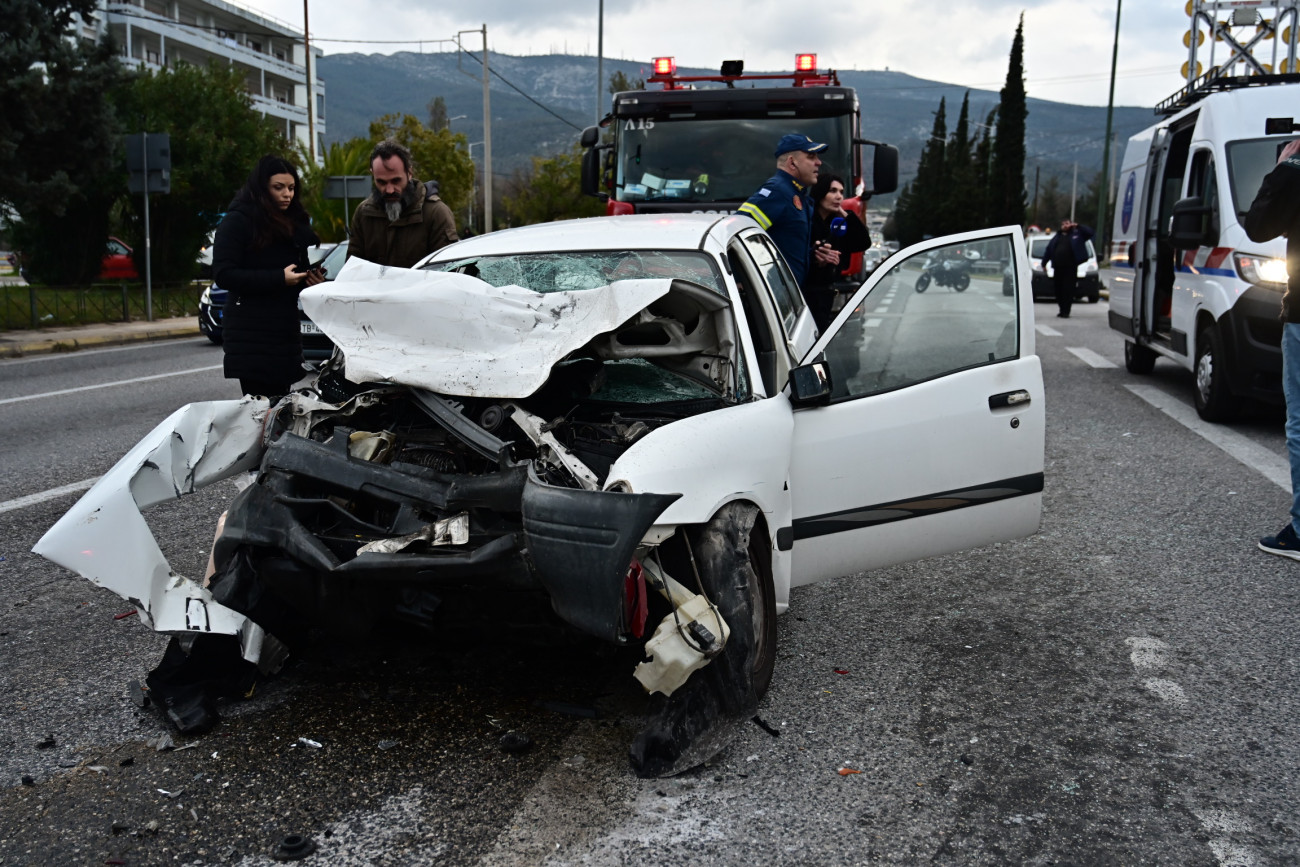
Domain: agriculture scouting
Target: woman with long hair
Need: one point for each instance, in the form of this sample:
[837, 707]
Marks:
[260, 258]
[837, 233]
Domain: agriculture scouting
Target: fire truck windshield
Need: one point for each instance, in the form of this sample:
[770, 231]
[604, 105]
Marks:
[725, 160]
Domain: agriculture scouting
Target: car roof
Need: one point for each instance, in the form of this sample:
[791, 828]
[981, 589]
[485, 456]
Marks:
[631, 232]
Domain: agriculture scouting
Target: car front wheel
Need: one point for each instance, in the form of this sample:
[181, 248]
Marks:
[731, 555]
[1214, 401]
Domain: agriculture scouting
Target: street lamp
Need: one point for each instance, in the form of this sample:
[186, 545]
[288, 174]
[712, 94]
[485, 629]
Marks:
[457, 117]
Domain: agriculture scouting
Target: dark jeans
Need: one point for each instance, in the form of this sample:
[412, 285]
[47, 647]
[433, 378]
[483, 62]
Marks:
[1065, 281]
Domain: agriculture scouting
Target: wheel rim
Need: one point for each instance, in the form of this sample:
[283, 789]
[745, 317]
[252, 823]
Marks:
[1205, 376]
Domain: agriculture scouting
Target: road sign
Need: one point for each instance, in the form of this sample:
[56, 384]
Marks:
[347, 186]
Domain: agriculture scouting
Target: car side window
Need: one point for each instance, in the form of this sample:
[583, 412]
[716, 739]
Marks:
[776, 273]
[1203, 182]
[901, 335]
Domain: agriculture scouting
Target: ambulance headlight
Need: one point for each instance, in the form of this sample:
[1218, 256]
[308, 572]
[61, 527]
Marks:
[1267, 272]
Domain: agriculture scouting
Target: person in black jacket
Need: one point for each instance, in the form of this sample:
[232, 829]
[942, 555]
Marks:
[1276, 211]
[836, 234]
[259, 256]
[1067, 250]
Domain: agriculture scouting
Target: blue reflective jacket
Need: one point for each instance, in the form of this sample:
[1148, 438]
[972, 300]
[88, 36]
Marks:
[784, 210]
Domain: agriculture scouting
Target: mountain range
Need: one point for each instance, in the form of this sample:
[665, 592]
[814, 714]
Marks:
[541, 103]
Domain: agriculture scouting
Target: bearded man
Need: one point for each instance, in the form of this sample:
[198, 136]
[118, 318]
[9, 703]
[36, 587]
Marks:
[400, 222]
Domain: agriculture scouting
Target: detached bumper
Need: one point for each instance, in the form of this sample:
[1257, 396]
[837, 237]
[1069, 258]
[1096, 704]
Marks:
[574, 544]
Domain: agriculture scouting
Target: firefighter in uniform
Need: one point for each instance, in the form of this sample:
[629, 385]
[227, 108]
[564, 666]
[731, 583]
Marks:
[783, 207]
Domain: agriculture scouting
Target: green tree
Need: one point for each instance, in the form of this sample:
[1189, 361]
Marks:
[962, 208]
[921, 207]
[328, 216]
[437, 109]
[216, 139]
[1007, 187]
[983, 167]
[549, 190]
[60, 163]
[619, 82]
[439, 155]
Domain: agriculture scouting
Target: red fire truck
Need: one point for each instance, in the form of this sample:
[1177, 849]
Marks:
[703, 143]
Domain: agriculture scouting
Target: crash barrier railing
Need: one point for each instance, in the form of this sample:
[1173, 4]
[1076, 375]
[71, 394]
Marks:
[23, 307]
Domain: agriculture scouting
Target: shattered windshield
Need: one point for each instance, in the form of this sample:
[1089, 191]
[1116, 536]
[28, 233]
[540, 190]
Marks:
[717, 160]
[575, 271]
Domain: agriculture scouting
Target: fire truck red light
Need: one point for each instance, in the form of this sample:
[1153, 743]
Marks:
[665, 66]
[805, 62]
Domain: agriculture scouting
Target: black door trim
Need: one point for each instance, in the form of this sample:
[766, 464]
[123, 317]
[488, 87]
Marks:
[915, 507]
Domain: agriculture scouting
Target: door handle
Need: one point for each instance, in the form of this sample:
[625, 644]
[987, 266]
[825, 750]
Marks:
[1019, 397]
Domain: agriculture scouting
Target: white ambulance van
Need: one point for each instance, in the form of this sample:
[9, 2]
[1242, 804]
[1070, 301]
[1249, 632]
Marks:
[1187, 284]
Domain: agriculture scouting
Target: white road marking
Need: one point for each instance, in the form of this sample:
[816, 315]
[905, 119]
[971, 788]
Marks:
[872, 323]
[1222, 824]
[109, 384]
[1274, 467]
[1090, 358]
[46, 496]
[1166, 690]
[1147, 652]
[1047, 330]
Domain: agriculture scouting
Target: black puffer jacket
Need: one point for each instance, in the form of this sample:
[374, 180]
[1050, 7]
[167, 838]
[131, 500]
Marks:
[261, 332]
[1276, 211]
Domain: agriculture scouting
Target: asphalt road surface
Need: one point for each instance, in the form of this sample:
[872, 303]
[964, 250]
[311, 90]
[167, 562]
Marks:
[1120, 688]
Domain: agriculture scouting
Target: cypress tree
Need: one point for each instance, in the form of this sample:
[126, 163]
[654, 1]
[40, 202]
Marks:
[1007, 191]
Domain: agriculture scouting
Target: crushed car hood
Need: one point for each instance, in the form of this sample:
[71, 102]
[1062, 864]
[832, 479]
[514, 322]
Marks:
[457, 335]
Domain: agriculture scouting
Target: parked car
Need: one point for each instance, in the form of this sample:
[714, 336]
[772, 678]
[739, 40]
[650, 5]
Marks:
[1088, 286]
[621, 427]
[316, 346]
[118, 264]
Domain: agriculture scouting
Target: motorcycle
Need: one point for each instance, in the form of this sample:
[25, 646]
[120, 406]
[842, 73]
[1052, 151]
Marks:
[944, 272]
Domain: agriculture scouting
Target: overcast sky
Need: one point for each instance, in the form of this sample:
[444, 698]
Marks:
[966, 42]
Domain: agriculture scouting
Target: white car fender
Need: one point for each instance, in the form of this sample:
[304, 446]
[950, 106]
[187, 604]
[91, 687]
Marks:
[737, 453]
[105, 539]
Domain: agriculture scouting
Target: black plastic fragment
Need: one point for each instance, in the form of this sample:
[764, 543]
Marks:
[515, 742]
[767, 726]
[47, 744]
[294, 847]
[28, 781]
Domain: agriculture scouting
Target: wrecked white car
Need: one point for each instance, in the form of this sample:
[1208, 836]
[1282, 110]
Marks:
[628, 422]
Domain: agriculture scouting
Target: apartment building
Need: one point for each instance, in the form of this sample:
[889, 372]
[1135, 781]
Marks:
[158, 33]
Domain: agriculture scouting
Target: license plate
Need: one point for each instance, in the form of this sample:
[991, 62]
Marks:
[309, 327]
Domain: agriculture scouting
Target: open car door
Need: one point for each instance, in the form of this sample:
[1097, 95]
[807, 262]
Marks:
[932, 438]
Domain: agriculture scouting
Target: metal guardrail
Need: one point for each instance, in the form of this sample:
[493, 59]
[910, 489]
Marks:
[28, 307]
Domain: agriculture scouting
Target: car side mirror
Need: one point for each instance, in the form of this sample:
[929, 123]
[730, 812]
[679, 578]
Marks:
[810, 384]
[1192, 225]
[591, 171]
[590, 136]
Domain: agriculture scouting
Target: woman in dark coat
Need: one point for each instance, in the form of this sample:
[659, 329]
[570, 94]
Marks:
[260, 258]
[840, 233]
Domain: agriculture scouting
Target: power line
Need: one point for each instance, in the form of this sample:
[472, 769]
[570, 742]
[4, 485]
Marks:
[513, 87]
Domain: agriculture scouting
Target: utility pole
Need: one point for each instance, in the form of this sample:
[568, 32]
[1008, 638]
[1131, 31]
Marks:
[600, 60]
[1103, 201]
[1074, 190]
[311, 97]
[487, 140]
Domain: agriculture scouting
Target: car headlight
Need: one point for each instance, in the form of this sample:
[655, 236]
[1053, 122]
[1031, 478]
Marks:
[206, 297]
[1269, 272]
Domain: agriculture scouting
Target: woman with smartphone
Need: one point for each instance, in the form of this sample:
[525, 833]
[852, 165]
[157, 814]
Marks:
[260, 258]
[837, 233]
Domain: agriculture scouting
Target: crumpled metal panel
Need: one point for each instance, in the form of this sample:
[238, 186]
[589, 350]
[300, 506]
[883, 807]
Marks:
[457, 335]
[105, 539]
